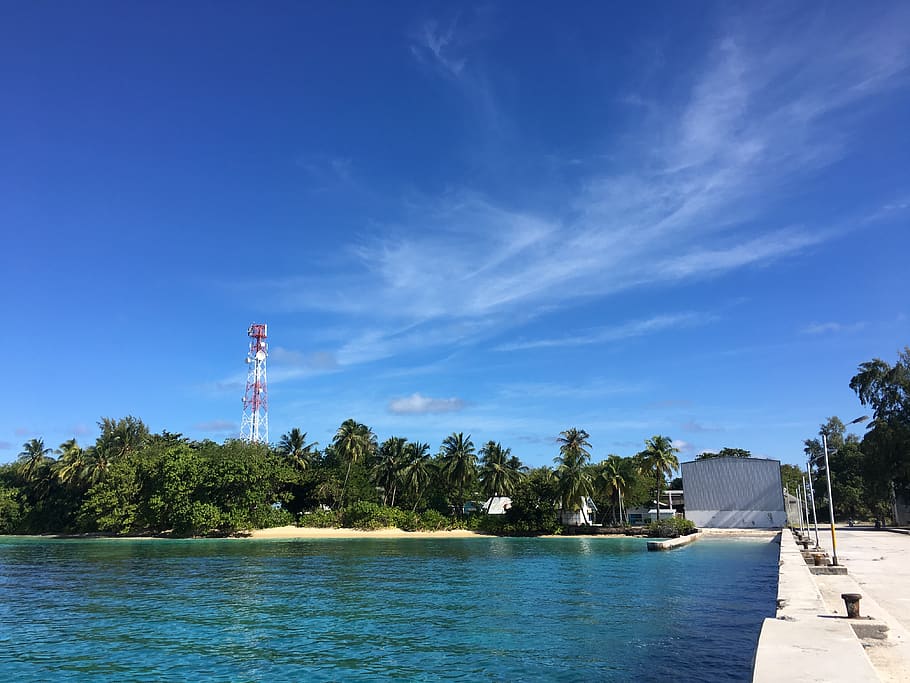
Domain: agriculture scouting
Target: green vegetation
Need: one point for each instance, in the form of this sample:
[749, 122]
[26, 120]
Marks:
[659, 457]
[867, 473]
[133, 482]
[725, 453]
[671, 527]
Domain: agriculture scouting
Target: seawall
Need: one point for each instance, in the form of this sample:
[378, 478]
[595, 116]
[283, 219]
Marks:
[804, 641]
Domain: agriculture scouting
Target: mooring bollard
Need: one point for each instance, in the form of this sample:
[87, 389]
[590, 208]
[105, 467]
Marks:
[819, 559]
[851, 600]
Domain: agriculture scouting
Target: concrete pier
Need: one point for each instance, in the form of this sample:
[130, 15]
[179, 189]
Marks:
[671, 543]
[811, 638]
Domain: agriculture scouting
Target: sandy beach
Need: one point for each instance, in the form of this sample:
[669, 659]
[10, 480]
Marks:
[312, 532]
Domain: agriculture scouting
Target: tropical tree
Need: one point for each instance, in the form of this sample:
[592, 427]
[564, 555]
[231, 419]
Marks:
[459, 464]
[500, 471]
[659, 458]
[121, 437]
[71, 463]
[725, 453]
[294, 447]
[353, 442]
[415, 475]
[33, 458]
[612, 482]
[573, 478]
[386, 472]
[886, 389]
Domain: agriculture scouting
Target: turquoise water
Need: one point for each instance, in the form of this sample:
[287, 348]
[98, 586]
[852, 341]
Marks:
[571, 609]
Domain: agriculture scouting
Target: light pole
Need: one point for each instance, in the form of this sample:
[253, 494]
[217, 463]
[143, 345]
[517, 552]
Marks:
[805, 493]
[830, 500]
[812, 495]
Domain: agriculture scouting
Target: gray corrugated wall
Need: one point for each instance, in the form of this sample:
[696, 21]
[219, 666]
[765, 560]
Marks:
[732, 484]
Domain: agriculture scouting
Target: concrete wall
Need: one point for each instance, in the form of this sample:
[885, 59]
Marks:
[737, 519]
[734, 493]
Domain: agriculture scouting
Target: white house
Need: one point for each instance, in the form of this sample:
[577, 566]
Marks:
[497, 505]
[584, 516]
[638, 516]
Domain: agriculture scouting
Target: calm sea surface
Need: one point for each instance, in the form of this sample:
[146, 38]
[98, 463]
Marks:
[568, 609]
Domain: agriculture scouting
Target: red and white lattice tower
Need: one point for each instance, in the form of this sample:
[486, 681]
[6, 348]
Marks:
[255, 424]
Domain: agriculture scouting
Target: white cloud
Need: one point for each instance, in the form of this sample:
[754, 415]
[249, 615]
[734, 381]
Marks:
[416, 404]
[694, 199]
[684, 446]
[602, 335]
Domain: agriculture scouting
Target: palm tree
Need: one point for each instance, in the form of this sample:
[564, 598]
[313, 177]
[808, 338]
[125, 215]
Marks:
[353, 442]
[500, 471]
[612, 481]
[387, 472]
[573, 478]
[71, 462]
[33, 458]
[659, 458]
[118, 439]
[459, 463]
[415, 475]
[294, 447]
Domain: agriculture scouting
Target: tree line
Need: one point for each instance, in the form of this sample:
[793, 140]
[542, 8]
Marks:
[132, 481]
[868, 474]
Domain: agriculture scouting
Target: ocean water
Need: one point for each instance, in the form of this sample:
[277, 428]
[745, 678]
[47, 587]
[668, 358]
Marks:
[563, 609]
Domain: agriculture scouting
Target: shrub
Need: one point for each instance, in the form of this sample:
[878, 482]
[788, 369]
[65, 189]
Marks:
[321, 519]
[433, 520]
[671, 527]
[370, 516]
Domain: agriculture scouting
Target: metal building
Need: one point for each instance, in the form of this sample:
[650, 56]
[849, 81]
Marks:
[734, 493]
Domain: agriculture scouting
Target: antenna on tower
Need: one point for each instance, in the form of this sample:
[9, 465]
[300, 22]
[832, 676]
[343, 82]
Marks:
[254, 427]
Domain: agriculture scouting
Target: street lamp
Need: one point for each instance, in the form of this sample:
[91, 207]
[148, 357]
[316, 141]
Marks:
[812, 496]
[830, 500]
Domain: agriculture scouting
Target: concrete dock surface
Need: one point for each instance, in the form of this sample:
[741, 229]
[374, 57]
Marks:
[812, 640]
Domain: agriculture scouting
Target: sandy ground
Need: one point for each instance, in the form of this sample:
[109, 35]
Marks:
[878, 563]
[311, 532]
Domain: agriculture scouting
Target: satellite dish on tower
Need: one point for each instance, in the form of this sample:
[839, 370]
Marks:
[260, 355]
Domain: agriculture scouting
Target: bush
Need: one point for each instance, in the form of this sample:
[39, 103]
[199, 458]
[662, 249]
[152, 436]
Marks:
[432, 520]
[321, 519]
[370, 516]
[503, 526]
[671, 527]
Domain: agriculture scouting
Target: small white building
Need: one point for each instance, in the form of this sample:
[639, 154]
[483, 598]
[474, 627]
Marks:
[584, 516]
[639, 516]
[497, 505]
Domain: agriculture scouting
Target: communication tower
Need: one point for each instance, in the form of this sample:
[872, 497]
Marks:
[254, 427]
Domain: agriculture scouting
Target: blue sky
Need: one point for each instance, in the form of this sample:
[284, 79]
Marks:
[504, 219]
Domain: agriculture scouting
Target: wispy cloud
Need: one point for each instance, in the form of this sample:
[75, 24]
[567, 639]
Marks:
[6, 446]
[438, 45]
[595, 388]
[602, 335]
[695, 199]
[217, 426]
[833, 328]
[416, 404]
[693, 426]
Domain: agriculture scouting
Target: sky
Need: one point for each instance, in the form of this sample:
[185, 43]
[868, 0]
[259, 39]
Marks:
[504, 219]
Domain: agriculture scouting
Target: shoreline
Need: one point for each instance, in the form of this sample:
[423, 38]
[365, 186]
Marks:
[328, 533]
[290, 532]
